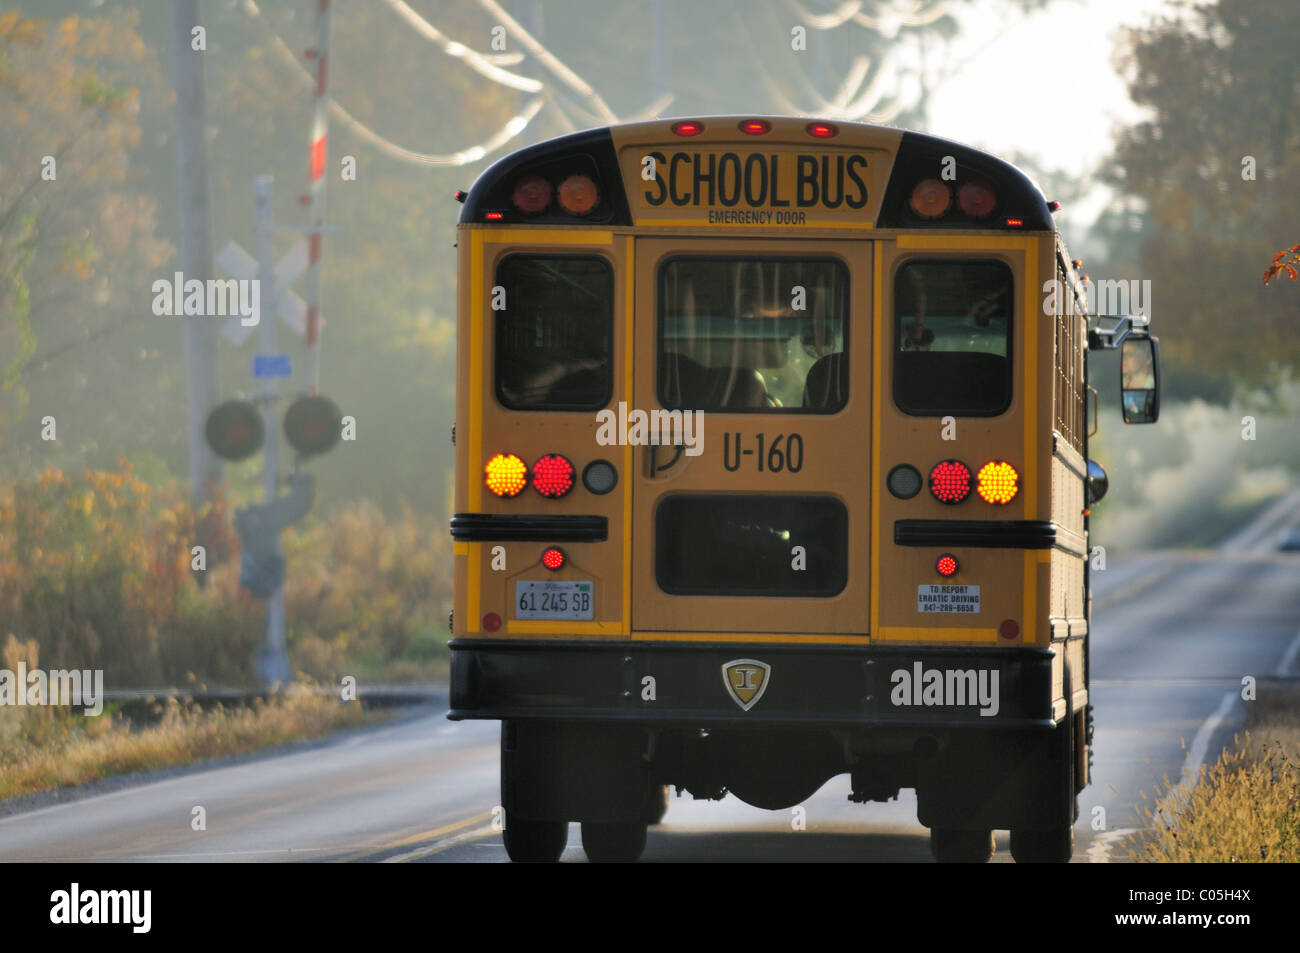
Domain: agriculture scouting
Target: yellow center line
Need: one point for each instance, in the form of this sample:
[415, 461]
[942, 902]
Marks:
[431, 834]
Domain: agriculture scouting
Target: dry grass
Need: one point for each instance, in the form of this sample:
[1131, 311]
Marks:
[1244, 809]
[43, 749]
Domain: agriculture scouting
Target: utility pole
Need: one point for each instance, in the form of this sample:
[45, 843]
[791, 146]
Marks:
[195, 216]
[275, 658]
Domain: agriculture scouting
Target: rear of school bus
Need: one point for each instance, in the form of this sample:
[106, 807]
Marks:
[759, 480]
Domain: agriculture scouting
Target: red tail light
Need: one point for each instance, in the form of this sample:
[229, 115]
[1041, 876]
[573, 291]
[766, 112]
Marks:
[946, 565]
[553, 476]
[505, 474]
[554, 558]
[950, 481]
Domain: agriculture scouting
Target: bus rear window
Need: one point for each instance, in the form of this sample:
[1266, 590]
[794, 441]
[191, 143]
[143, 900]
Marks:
[952, 328]
[554, 337]
[753, 335]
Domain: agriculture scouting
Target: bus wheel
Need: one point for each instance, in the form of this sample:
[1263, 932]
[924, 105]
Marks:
[657, 806]
[540, 842]
[1043, 847]
[613, 842]
[961, 847]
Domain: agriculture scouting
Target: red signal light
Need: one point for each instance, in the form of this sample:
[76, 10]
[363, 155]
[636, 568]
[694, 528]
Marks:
[688, 127]
[1015, 222]
[505, 474]
[950, 481]
[822, 130]
[946, 565]
[976, 199]
[554, 558]
[532, 194]
[755, 127]
[553, 476]
[494, 216]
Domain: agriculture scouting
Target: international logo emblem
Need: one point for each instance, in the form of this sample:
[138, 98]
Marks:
[746, 680]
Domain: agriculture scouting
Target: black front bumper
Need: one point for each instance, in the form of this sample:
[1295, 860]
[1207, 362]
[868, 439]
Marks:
[807, 685]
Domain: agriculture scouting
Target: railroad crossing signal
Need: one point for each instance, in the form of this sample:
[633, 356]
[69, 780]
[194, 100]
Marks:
[238, 263]
[234, 430]
[312, 424]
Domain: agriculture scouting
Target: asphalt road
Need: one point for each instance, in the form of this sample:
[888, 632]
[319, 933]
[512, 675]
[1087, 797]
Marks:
[1175, 633]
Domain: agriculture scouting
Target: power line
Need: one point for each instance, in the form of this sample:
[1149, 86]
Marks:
[474, 153]
[476, 61]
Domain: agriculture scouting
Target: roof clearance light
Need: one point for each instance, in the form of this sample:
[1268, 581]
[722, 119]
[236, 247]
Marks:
[578, 195]
[946, 565]
[1015, 222]
[822, 130]
[554, 559]
[505, 474]
[950, 481]
[755, 127]
[998, 482]
[688, 127]
[532, 194]
[494, 216]
[976, 199]
[930, 198]
[553, 476]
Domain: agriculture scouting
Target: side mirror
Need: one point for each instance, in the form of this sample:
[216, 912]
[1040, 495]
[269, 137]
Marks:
[1098, 482]
[1140, 379]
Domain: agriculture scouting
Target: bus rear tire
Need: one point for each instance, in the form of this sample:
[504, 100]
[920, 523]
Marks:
[613, 843]
[951, 846]
[657, 804]
[536, 842]
[1055, 846]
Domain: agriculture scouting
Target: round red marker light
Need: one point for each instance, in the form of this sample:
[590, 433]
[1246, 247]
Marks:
[553, 476]
[554, 558]
[946, 565]
[491, 622]
[1009, 629]
[950, 481]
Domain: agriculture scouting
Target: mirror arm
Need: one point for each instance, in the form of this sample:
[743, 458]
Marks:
[1109, 339]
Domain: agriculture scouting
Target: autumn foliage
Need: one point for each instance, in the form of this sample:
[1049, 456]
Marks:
[97, 572]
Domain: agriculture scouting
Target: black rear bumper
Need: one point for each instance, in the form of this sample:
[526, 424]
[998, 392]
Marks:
[807, 685]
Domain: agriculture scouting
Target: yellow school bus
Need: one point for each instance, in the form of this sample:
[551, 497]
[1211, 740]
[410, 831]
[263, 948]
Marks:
[771, 466]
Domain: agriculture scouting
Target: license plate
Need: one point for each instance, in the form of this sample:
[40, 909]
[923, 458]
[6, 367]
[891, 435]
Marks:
[553, 600]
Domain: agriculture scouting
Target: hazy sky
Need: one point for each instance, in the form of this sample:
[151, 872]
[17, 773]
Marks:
[1055, 65]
